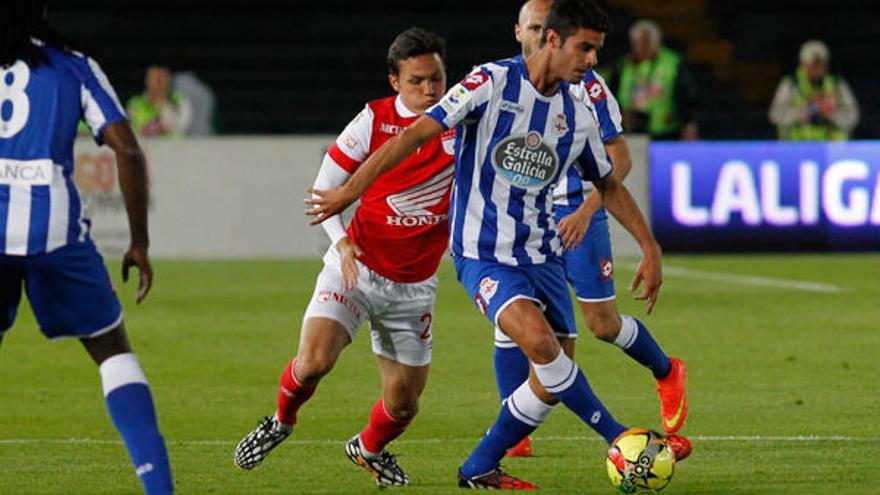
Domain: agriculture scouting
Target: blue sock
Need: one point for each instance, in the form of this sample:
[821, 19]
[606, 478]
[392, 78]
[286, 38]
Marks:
[637, 342]
[564, 379]
[511, 369]
[504, 434]
[131, 408]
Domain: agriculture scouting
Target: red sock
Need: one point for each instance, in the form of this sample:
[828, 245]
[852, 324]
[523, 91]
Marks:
[382, 429]
[291, 395]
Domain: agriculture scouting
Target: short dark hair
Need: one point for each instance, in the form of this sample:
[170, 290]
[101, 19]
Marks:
[567, 16]
[413, 42]
[22, 22]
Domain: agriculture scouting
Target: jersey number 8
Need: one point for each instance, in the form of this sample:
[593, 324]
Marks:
[14, 104]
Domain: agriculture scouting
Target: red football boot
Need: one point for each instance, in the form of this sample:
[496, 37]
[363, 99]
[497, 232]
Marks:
[495, 480]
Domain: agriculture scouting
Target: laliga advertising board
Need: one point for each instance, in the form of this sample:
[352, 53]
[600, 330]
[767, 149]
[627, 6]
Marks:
[766, 196]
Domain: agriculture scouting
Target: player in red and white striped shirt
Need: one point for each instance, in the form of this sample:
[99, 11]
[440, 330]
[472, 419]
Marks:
[382, 269]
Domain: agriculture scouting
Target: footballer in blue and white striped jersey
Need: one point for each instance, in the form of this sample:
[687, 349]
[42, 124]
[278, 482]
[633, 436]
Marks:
[573, 188]
[40, 208]
[513, 145]
[46, 253]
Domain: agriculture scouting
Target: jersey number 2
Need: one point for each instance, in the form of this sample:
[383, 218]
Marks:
[15, 107]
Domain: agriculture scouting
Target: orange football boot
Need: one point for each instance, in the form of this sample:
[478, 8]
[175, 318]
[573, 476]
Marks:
[679, 445]
[673, 398]
[522, 449]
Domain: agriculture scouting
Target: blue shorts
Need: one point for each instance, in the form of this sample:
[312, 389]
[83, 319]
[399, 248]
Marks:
[493, 286]
[69, 291]
[590, 267]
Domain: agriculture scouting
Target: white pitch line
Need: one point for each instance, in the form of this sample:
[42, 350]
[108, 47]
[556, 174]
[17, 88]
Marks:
[425, 441]
[753, 280]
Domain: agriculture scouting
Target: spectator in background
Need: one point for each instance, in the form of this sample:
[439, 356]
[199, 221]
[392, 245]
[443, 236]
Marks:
[656, 92]
[202, 100]
[812, 104]
[159, 110]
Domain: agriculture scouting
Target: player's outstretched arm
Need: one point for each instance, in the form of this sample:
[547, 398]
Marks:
[330, 202]
[623, 207]
[133, 184]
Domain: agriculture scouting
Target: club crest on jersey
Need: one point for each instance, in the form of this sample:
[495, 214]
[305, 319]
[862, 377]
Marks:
[560, 126]
[595, 90]
[525, 161]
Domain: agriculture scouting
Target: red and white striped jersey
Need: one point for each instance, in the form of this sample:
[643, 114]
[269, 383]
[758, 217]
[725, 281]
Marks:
[402, 223]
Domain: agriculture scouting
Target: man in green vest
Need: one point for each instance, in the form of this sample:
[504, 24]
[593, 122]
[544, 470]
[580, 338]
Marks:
[656, 93]
[812, 104]
[159, 110]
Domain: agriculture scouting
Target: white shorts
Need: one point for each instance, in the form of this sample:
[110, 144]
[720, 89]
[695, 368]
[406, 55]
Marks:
[400, 315]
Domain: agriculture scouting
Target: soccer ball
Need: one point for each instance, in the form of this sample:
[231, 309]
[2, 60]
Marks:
[640, 461]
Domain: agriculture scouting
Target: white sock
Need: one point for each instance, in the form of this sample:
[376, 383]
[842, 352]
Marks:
[120, 370]
[629, 331]
[281, 426]
[527, 407]
[558, 374]
[366, 453]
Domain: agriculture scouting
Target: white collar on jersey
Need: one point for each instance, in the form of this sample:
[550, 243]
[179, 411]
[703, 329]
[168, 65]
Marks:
[402, 110]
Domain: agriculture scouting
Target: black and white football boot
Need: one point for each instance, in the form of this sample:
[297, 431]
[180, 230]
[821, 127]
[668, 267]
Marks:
[382, 466]
[253, 448]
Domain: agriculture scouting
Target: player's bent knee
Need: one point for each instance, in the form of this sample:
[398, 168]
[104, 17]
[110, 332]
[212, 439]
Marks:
[605, 331]
[526, 325]
[403, 412]
[541, 346]
[605, 326]
[311, 367]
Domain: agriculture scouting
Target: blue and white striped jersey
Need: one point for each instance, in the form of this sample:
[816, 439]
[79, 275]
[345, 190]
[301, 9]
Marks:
[573, 188]
[40, 108]
[512, 146]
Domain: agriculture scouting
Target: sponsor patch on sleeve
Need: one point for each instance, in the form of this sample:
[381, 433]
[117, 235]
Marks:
[456, 99]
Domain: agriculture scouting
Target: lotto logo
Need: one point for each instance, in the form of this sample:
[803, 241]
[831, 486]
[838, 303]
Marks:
[607, 268]
[474, 81]
[595, 91]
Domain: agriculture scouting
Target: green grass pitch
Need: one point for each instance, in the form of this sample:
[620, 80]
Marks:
[783, 386]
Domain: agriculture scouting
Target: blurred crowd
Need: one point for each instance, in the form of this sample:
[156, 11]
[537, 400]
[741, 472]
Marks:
[659, 96]
[657, 92]
[173, 105]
